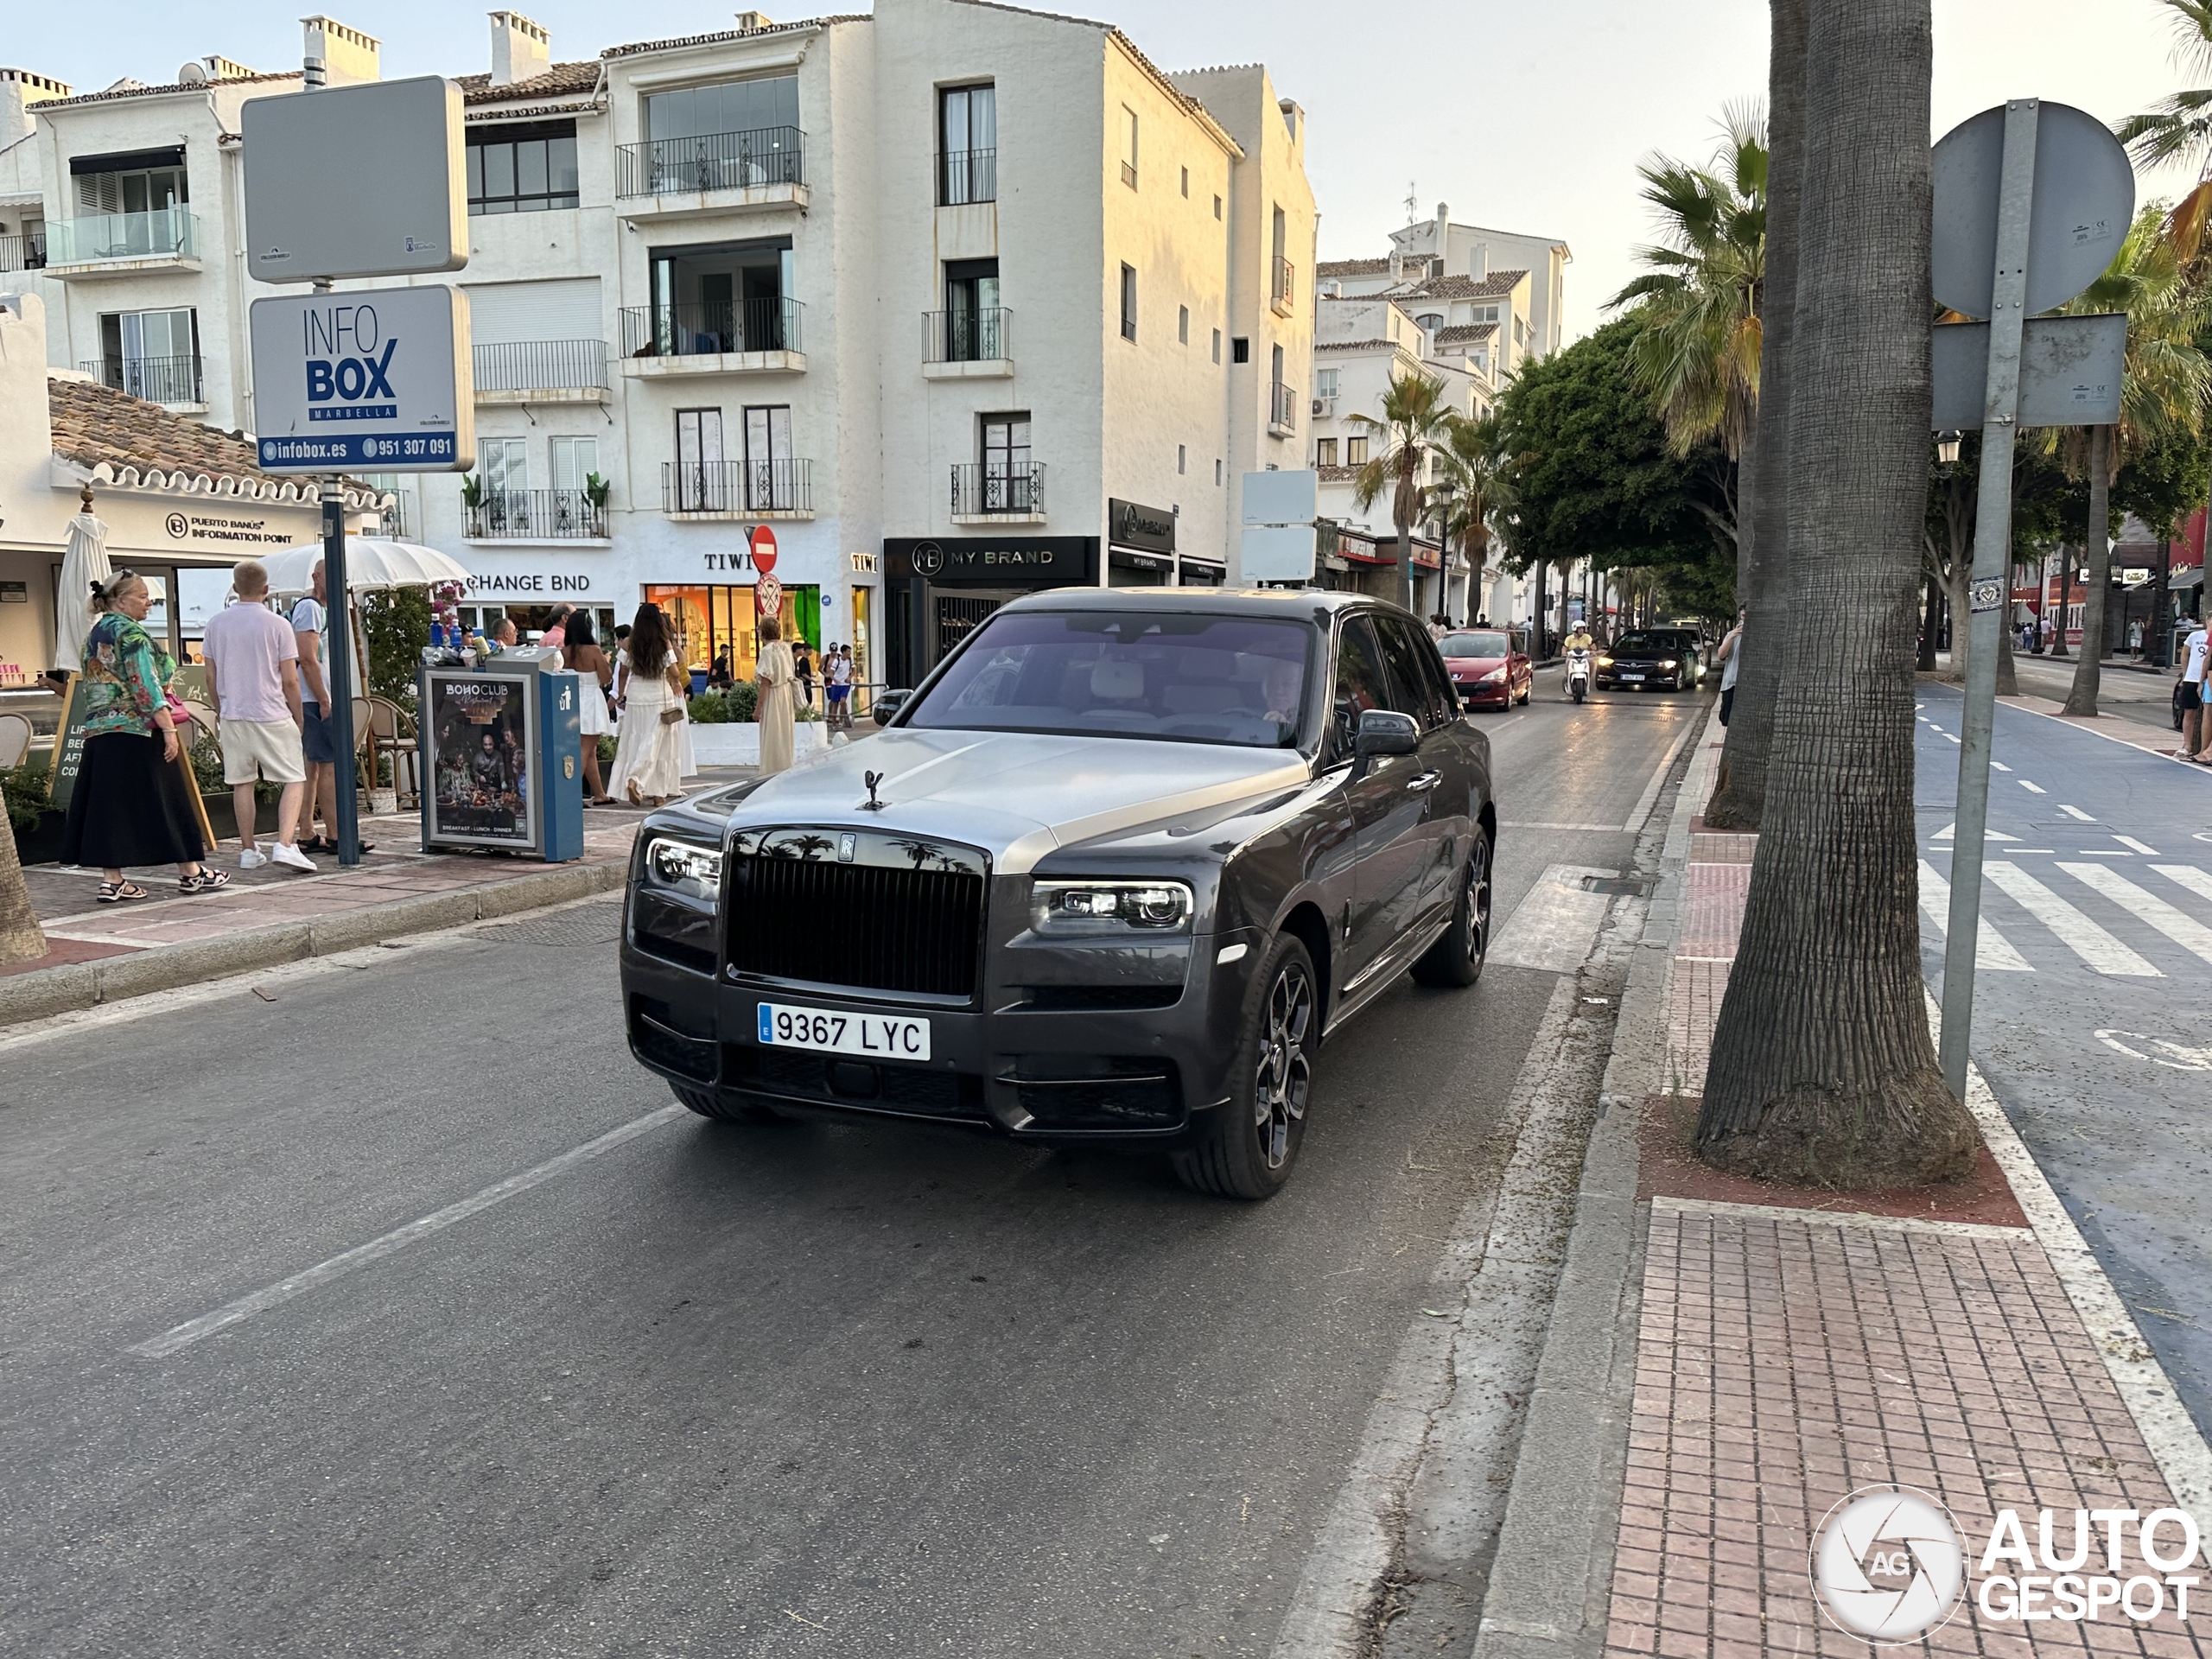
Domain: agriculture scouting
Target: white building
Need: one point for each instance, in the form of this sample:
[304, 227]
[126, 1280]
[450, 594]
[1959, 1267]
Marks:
[950, 302]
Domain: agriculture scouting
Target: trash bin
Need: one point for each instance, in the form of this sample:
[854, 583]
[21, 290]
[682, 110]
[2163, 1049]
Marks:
[502, 759]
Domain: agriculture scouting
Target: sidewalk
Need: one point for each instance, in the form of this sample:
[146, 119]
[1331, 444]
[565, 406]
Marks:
[102, 953]
[1791, 1347]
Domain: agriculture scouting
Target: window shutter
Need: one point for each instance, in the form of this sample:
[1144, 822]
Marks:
[506, 314]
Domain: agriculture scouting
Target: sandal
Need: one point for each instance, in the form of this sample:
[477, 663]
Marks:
[116, 892]
[207, 881]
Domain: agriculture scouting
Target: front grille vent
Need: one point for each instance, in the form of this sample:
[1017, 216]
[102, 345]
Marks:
[864, 925]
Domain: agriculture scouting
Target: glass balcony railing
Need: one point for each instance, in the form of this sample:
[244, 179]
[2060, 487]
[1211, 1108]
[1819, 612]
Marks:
[167, 233]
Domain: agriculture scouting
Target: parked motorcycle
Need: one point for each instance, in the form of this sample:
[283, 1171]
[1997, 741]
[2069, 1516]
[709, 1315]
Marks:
[1578, 672]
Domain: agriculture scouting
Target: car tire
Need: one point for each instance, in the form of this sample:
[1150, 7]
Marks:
[707, 1103]
[1246, 1147]
[1456, 959]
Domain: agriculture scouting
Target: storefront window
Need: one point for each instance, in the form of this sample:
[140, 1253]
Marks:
[862, 642]
[718, 627]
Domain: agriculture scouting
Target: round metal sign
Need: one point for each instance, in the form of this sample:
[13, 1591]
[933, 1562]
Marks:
[768, 595]
[2084, 199]
[763, 548]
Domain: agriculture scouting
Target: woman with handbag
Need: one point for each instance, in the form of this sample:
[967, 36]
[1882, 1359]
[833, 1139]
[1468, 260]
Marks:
[133, 803]
[646, 756]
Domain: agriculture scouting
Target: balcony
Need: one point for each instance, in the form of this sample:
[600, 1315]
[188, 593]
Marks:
[998, 493]
[737, 489]
[172, 380]
[717, 172]
[26, 251]
[740, 337]
[535, 515]
[1281, 290]
[1282, 411]
[966, 176]
[118, 244]
[968, 344]
[542, 371]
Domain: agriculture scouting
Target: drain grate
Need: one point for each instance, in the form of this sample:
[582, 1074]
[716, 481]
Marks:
[593, 924]
[1641, 885]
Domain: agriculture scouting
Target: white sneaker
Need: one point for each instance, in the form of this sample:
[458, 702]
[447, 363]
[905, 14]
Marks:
[251, 858]
[291, 857]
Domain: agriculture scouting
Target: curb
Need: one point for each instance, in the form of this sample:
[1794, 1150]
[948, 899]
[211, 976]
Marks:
[48, 991]
[1551, 1582]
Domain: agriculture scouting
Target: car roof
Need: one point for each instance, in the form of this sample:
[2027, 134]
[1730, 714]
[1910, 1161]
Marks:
[1290, 604]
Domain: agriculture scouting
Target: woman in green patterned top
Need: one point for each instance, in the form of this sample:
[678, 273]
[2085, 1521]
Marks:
[133, 800]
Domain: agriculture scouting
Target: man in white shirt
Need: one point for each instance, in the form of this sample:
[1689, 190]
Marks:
[253, 678]
[2195, 730]
[1731, 654]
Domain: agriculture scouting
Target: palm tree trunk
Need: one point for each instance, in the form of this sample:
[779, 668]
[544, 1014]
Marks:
[1822, 1068]
[22, 940]
[1930, 622]
[1405, 564]
[2065, 593]
[1739, 802]
[1958, 592]
[2008, 677]
[2096, 578]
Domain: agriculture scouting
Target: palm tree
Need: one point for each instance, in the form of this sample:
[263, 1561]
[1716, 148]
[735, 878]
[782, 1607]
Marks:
[1409, 436]
[2178, 130]
[2165, 384]
[22, 940]
[1472, 486]
[1822, 1069]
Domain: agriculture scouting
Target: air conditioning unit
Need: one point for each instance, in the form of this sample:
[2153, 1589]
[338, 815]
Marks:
[1323, 407]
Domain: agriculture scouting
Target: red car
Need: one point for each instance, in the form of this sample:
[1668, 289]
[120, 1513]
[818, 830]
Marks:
[1491, 667]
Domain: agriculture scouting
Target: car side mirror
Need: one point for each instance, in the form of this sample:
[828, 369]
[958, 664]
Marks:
[888, 703]
[1385, 731]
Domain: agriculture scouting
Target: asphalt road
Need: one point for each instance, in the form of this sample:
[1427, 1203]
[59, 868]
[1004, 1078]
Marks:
[711, 1389]
[2092, 996]
[2122, 693]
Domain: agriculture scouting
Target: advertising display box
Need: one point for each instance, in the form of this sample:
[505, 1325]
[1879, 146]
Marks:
[502, 760]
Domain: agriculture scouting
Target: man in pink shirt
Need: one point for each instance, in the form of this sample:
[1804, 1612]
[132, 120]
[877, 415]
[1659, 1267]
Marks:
[253, 678]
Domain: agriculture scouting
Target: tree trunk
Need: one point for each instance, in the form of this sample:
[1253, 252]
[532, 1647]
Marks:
[2065, 598]
[1931, 622]
[1822, 1068]
[2157, 633]
[1740, 801]
[2096, 578]
[22, 940]
[1405, 564]
[1958, 593]
[2008, 677]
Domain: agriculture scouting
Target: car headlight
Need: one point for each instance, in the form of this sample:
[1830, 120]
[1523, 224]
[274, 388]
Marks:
[679, 864]
[1495, 676]
[1605, 662]
[1065, 909]
[1669, 663]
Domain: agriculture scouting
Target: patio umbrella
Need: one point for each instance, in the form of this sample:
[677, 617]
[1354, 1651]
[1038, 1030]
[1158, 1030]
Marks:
[83, 560]
[371, 562]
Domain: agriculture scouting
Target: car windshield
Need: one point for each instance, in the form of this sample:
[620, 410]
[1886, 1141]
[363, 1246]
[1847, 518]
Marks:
[1643, 645]
[1472, 644]
[1189, 677]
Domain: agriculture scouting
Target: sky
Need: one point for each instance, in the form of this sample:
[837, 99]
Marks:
[1529, 118]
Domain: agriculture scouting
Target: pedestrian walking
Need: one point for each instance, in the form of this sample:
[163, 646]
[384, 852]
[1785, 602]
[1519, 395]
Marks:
[1731, 654]
[774, 675]
[839, 673]
[581, 653]
[556, 630]
[803, 667]
[2196, 726]
[253, 679]
[646, 757]
[135, 801]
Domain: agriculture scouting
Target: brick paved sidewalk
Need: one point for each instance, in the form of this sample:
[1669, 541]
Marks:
[1789, 1353]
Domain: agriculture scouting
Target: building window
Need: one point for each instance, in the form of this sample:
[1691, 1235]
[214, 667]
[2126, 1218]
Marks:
[699, 459]
[151, 355]
[1216, 474]
[1216, 345]
[1216, 206]
[968, 136]
[1182, 324]
[974, 323]
[1128, 147]
[1325, 383]
[1355, 452]
[1187, 181]
[1181, 455]
[1520, 334]
[503, 465]
[522, 167]
[1240, 350]
[137, 188]
[1431, 322]
[1324, 452]
[1128, 302]
[771, 483]
[727, 109]
[575, 463]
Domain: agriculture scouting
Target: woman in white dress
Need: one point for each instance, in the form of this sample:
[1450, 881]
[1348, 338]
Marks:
[581, 653]
[647, 752]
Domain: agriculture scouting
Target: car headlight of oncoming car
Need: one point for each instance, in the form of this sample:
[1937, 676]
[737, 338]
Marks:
[1495, 676]
[1668, 664]
[1605, 662]
[1093, 909]
[688, 868]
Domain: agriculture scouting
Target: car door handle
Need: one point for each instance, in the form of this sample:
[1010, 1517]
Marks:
[1428, 780]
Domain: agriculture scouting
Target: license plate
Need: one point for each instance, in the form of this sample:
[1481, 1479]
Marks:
[871, 1036]
[1632, 676]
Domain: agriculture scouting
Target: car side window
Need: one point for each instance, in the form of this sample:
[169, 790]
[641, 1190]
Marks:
[1415, 690]
[1361, 683]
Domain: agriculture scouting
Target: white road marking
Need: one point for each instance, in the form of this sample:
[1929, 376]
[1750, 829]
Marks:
[1992, 950]
[1999, 766]
[2076, 812]
[1594, 829]
[399, 1238]
[2188, 875]
[2033, 789]
[2182, 1057]
[2075, 931]
[1948, 738]
[2130, 840]
[1949, 829]
[2185, 930]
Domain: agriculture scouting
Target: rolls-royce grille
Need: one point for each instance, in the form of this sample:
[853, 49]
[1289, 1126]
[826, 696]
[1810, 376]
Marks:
[864, 925]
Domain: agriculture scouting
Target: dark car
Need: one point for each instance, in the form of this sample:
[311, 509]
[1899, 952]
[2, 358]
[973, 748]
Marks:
[1489, 667]
[1111, 874]
[1648, 660]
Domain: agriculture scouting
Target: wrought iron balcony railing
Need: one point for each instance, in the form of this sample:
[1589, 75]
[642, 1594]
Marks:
[981, 487]
[542, 366]
[537, 515]
[700, 330]
[157, 379]
[713, 161]
[26, 251]
[955, 336]
[784, 486]
[966, 175]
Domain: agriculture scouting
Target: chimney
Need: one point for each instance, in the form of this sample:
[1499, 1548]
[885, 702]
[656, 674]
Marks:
[21, 92]
[748, 21]
[1397, 264]
[1441, 245]
[222, 68]
[1478, 263]
[521, 50]
[345, 56]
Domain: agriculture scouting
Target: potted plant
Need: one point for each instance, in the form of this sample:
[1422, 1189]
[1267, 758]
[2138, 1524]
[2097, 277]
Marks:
[472, 501]
[596, 490]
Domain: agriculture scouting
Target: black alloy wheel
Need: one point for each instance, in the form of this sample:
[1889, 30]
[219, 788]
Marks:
[1245, 1149]
[1456, 959]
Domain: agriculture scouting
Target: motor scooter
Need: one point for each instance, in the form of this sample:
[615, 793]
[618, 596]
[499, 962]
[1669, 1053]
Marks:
[1578, 672]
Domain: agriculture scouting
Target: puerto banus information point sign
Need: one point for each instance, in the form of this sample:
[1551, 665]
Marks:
[377, 380]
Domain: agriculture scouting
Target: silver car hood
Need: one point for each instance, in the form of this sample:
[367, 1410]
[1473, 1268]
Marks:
[1016, 795]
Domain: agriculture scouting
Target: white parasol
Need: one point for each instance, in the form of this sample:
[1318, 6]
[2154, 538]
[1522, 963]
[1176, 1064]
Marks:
[83, 560]
[371, 562]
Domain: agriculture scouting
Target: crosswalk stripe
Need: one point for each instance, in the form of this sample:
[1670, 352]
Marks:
[2075, 931]
[2076, 812]
[2188, 875]
[1992, 950]
[2185, 931]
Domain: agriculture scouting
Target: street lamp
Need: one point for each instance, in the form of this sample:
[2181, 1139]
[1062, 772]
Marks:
[1947, 447]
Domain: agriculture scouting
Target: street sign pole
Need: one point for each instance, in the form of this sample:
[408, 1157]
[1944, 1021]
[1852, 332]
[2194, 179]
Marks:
[338, 617]
[1992, 555]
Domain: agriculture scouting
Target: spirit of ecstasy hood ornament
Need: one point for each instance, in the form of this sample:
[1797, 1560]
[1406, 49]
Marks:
[871, 805]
